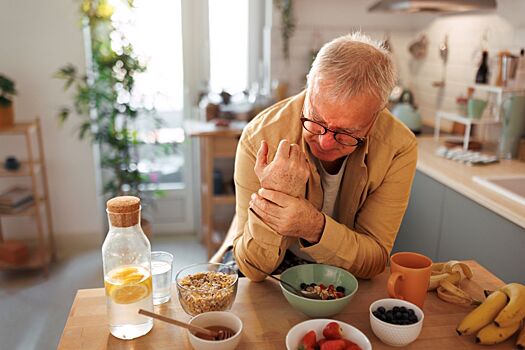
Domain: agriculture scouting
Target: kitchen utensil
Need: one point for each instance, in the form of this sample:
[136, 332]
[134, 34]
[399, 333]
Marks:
[211, 319]
[418, 48]
[392, 334]
[302, 293]
[409, 277]
[196, 297]
[443, 53]
[475, 108]
[319, 274]
[513, 126]
[297, 332]
[216, 335]
[406, 111]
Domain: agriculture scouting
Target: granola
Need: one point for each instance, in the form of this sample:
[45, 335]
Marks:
[207, 291]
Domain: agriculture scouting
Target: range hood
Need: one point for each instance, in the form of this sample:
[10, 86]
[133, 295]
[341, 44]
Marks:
[433, 6]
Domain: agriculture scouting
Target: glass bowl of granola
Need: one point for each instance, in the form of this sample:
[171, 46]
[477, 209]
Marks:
[206, 287]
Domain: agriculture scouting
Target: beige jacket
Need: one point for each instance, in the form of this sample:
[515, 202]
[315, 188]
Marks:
[374, 195]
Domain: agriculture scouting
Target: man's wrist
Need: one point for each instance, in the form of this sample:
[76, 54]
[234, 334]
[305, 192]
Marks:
[318, 229]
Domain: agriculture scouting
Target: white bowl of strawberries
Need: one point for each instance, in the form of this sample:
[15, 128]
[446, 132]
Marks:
[326, 334]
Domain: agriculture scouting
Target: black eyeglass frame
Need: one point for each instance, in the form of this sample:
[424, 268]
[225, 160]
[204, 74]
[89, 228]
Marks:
[358, 140]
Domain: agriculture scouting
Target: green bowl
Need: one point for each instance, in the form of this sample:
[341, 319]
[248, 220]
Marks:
[318, 273]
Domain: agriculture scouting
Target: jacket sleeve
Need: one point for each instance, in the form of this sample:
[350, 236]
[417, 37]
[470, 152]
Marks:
[255, 241]
[364, 251]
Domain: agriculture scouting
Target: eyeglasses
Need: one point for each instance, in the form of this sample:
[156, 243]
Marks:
[343, 138]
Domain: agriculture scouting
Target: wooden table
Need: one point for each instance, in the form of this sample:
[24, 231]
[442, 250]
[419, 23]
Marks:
[267, 318]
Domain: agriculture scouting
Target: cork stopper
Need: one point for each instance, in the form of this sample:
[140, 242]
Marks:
[123, 211]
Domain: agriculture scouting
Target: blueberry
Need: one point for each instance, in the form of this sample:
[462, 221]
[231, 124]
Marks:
[330, 297]
[313, 284]
[412, 318]
[303, 285]
[376, 314]
[397, 315]
[383, 317]
[403, 309]
[340, 289]
[404, 315]
[410, 312]
[388, 317]
[396, 309]
[381, 310]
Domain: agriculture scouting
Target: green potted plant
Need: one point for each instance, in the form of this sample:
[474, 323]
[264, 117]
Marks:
[103, 101]
[7, 91]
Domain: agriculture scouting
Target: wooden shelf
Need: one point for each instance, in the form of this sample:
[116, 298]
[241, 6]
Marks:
[29, 211]
[34, 168]
[24, 170]
[18, 128]
[33, 262]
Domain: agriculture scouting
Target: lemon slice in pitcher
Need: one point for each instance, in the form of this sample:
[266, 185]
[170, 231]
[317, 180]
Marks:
[129, 294]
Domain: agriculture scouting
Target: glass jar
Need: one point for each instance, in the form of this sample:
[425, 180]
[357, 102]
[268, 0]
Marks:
[126, 256]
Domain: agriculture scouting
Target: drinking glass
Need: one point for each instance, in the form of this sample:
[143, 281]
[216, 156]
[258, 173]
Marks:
[161, 270]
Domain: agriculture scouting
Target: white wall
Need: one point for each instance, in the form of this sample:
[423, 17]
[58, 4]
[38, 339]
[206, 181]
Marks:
[38, 37]
[320, 21]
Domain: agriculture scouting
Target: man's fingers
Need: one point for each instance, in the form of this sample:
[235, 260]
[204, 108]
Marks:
[283, 151]
[262, 156]
[279, 198]
[263, 207]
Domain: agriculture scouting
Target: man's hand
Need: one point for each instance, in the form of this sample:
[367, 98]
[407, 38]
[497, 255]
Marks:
[287, 215]
[287, 173]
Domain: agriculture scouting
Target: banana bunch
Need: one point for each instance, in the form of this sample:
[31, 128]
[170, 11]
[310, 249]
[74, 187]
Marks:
[498, 317]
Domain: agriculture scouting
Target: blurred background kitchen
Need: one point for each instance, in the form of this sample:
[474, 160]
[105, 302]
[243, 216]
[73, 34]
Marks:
[211, 66]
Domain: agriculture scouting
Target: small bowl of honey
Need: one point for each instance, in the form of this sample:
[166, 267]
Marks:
[218, 321]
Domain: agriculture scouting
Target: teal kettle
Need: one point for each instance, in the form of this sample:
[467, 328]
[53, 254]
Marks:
[405, 111]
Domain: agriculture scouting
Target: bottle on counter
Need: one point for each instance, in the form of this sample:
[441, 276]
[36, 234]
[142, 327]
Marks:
[126, 256]
[482, 75]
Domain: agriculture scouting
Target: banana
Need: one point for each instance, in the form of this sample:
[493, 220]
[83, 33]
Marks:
[449, 297]
[515, 309]
[454, 278]
[437, 267]
[456, 290]
[520, 343]
[492, 334]
[454, 265]
[483, 314]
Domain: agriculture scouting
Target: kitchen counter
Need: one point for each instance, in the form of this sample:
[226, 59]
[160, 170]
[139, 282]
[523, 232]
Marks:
[459, 177]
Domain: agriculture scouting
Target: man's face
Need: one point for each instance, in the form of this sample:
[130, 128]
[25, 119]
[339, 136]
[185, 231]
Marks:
[354, 117]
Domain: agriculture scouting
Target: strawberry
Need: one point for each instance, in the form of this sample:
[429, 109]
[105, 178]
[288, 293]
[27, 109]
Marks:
[337, 344]
[332, 331]
[308, 341]
[351, 345]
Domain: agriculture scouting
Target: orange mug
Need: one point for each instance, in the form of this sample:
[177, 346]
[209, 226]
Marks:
[409, 277]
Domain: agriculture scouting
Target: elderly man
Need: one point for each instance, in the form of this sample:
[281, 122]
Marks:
[325, 175]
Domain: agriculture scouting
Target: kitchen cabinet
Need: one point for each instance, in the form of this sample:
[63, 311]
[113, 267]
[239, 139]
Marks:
[421, 226]
[445, 225]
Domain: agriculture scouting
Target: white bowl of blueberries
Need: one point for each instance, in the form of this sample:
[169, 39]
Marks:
[396, 322]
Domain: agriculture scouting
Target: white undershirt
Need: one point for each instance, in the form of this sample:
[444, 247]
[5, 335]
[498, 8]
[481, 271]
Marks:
[330, 185]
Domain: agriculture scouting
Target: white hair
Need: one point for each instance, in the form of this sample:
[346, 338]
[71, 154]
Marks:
[351, 65]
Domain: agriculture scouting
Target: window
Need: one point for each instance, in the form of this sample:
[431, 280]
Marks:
[228, 33]
[154, 28]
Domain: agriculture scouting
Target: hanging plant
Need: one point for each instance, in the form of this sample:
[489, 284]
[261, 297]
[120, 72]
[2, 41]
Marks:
[103, 100]
[287, 25]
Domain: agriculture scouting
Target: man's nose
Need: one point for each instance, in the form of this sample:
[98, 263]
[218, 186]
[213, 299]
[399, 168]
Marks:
[327, 140]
